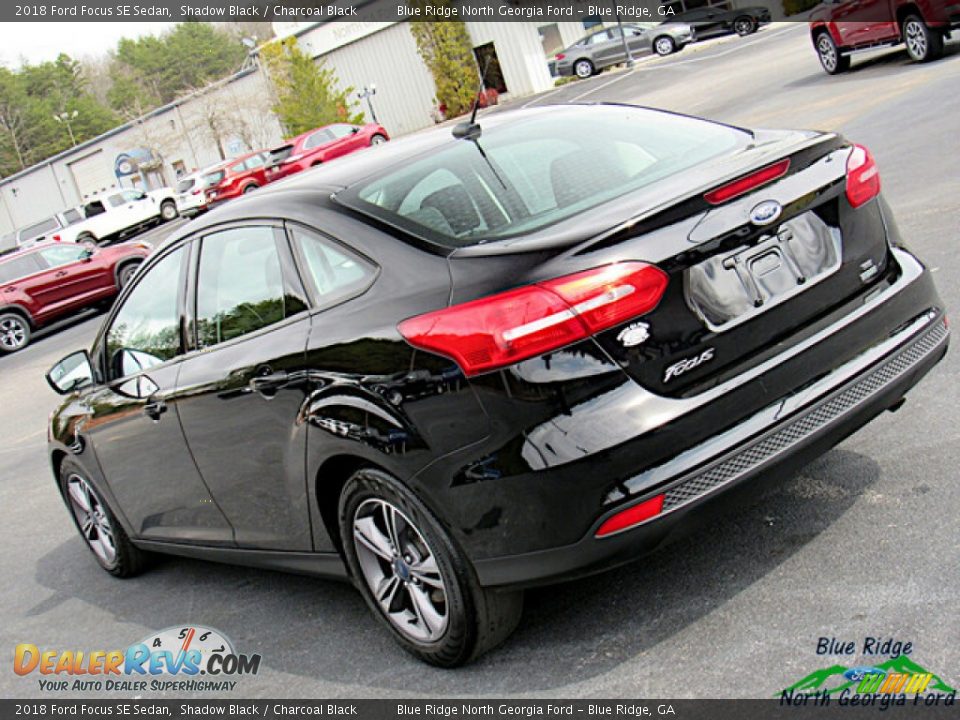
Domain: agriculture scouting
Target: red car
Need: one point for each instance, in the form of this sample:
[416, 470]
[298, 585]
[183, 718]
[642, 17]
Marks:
[841, 28]
[236, 177]
[51, 280]
[322, 145]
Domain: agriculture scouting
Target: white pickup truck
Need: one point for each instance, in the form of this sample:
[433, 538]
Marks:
[115, 215]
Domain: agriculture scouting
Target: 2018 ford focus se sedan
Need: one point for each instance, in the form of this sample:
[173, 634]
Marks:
[461, 366]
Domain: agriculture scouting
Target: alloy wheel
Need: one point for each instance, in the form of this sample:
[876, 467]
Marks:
[377, 140]
[916, 38]
[828, 53]
[13, 332]
[743, 27]
[126, 275]
[401, 571]
[168, 211]
[583, 69]
[664, 46]
[92, 518]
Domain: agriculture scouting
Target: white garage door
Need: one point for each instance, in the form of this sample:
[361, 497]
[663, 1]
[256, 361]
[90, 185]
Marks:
[93, 174]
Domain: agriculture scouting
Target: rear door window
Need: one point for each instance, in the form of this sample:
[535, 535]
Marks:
[318, 138]
[19, 267]
[240, 287]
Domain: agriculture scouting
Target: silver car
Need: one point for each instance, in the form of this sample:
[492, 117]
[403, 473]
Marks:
[603, 48]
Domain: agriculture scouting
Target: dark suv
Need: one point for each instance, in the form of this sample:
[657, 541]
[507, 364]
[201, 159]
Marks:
[505, 356]
[51, 280]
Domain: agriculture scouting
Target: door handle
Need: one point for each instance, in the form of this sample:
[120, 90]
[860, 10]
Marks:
[268, 384]
[155, 409]
[11, 289]
[61, 273]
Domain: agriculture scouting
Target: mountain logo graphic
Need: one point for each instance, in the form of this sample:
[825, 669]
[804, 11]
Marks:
[837, 678]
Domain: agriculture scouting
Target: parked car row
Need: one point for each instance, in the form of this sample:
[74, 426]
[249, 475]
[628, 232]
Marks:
[604, 47]
[240, 175]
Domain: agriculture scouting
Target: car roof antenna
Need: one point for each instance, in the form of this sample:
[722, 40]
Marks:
[471, 130]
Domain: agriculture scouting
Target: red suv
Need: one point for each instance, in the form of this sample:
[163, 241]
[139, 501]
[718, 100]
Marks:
[843, 27]
[51, 280]
[322, 145]
[236, 177]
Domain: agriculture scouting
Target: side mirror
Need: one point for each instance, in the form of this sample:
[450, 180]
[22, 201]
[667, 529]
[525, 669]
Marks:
[355, 130]
[87, 253]
[71, 373]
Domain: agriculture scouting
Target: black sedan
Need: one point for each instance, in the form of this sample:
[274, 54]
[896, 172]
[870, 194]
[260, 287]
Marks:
[710, 22]
[470, 363]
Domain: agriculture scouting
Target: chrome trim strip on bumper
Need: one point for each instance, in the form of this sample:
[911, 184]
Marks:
[827, 411]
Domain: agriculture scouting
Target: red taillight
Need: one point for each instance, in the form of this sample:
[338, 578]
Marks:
[503, 329]
[863, 177]
[743, 185]
[56, 238]
[196, 192]
[633, 515]
[560, 56]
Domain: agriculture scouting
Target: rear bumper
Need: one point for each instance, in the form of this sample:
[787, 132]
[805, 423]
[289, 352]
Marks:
[782, 437]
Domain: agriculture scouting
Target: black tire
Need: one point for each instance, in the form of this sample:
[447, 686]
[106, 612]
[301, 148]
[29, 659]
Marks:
[168, 211]
[922, 43]
[126, 273]
[378, 139]
[250, 188]
[476, 619]
[664, 45]
[744, 25]
[15, 332]
[127, 560]
[584, 68]
[831, 59]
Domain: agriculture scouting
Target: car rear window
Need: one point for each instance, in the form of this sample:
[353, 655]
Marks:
[185, 184]
[32, 231]
[524, 176]
[213, 178]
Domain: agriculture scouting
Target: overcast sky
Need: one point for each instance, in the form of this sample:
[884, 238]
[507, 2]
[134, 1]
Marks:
[36, 42]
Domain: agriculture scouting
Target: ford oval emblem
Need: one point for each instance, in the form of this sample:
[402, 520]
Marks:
[766, 212]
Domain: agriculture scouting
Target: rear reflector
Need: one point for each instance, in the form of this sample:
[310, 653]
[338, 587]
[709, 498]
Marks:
[743, 185]
[503, 329]
[863, 177]
[633, 515]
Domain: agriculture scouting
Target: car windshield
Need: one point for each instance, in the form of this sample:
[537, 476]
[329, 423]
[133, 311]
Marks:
[529, 174]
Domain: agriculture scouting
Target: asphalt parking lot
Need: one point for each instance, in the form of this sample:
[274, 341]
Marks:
[863, 542]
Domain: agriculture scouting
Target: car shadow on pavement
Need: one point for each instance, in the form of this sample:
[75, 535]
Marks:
[895, 59]
[322, 629]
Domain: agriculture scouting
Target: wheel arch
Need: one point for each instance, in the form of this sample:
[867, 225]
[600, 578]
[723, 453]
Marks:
[21, 311]
[904, 11]
[329, 480]
[118, 268]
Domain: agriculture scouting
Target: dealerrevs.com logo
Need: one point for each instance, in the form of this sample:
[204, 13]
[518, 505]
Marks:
[882, 683]
[181, 659]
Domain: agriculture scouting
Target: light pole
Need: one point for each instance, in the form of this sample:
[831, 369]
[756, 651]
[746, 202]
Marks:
[366, 95]
[623, 38]
[64, 118]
